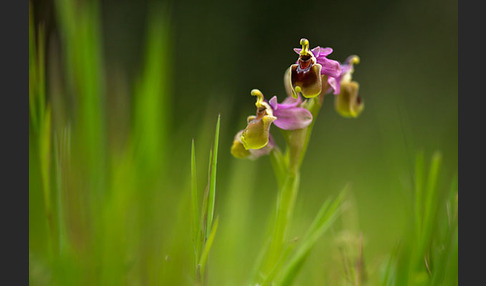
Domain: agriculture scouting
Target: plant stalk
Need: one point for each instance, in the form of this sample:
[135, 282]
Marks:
[297, 141]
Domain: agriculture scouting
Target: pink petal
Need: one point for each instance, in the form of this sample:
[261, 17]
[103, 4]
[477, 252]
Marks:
[291, 118]
[330, 68]
[325, 51]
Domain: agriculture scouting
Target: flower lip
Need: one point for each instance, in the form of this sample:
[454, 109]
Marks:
[256, 134]
[305, 65]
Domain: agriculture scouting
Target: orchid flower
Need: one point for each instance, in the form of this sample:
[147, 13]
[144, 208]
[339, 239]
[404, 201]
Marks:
[348, 103]
[288, 115]
[311, 68]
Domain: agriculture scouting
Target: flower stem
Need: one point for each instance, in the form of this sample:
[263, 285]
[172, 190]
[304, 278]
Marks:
[297, 145]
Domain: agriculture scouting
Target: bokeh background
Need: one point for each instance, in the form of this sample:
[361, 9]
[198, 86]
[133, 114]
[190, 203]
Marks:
[157, 75]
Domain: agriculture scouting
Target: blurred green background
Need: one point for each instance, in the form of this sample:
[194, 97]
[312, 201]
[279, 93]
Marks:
[130, 83]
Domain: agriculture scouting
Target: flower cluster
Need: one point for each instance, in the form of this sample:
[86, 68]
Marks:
[313, 75]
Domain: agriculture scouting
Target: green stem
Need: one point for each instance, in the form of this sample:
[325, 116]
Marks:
[297, 141]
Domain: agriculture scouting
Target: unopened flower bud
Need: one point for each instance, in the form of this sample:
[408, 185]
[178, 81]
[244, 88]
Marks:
[348, 103]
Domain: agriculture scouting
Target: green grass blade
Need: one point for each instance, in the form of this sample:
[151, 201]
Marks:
[207, 247]
[81, 37]
[283, 258]
[194, 203]
[445, 260]
[32, 69]
[324, 219]
[418, 184]
[426, 204]
[431, 199]
[212, 182]
[203, 234]
[152, 100]
[41, 89]
[45, 168]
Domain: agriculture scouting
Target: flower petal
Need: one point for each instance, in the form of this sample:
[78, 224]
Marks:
[273, 103]
[316, 51]
[237, 149]
[291, 117]
[335, 85]
[256, 153]
[330, 68]
[325, 52]
[290, 101]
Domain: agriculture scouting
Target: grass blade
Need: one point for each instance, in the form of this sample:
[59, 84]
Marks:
[212, 182]
[207, 246]
[194, 203]
[324, 219]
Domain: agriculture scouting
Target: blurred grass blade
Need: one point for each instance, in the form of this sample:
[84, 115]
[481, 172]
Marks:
[32, 69]
[446, 260]
[431, 199]
[152, 101]
[194, 203]
[419, 182]
[45, 168]
[283, 258]
[324, 219]
[36, 72]
[81, 38]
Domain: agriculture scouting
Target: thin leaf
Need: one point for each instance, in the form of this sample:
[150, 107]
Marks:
[324, 219]
[194, 203]
[419, 181]
[212, 182]
[207, 246]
